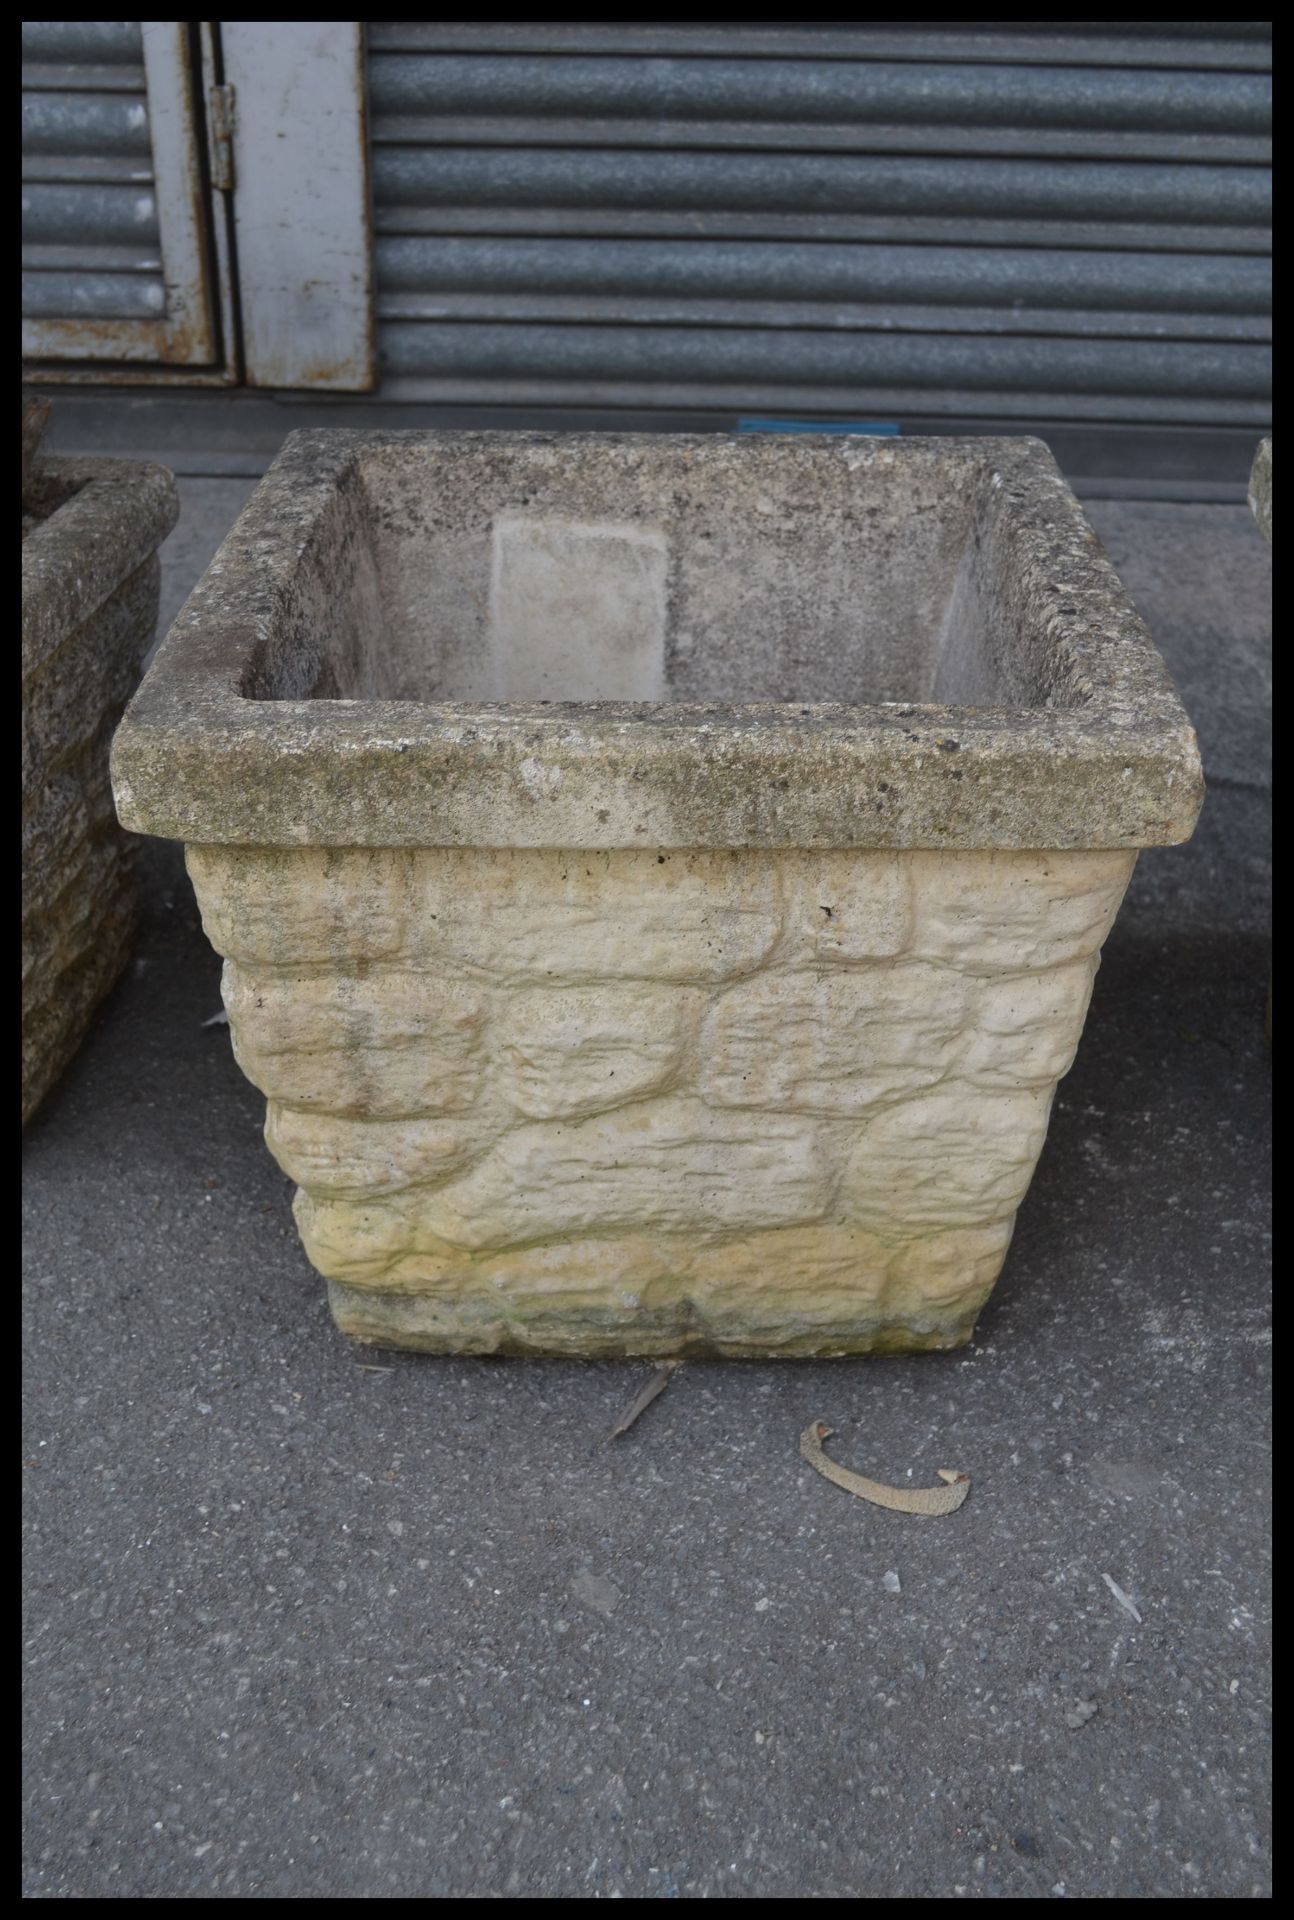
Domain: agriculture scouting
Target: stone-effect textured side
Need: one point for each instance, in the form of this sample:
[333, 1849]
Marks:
[90, 587]
[645, 1103]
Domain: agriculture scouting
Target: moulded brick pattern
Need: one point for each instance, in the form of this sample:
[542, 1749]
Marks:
[765, 1102]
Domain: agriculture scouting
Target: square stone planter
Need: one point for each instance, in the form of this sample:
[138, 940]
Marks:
[90, 572]
[660, 877]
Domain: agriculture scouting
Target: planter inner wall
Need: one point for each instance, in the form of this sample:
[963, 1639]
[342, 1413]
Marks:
[470, 572]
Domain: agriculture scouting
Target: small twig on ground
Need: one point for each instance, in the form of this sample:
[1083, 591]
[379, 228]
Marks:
[1124, 1600]
[644, 1397]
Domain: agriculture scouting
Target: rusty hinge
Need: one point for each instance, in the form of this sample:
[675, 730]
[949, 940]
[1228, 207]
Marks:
[220, 101]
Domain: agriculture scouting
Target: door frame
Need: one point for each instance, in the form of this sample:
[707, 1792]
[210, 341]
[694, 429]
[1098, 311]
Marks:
[194, 338]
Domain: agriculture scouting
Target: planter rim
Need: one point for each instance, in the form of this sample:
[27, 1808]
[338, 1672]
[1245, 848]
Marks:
[196, 759]
[1260, 487]
[116, 515]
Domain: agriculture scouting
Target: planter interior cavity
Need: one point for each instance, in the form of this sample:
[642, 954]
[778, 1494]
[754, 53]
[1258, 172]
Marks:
[660, 877]
[634, 574]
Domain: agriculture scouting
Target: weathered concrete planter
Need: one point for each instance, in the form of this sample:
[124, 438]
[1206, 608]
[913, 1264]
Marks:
[661, 878]
[90, 582]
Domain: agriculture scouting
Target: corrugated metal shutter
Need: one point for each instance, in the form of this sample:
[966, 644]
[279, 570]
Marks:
[1001, 219]
[115, 248]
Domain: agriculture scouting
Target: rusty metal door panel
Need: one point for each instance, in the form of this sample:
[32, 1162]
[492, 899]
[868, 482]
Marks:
[119, 262]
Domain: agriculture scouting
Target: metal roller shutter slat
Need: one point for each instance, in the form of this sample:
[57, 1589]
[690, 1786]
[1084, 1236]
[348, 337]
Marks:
[1003, 218]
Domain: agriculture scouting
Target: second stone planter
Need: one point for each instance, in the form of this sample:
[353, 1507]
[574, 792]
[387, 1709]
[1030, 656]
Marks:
[90, 582]
[660, 878]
